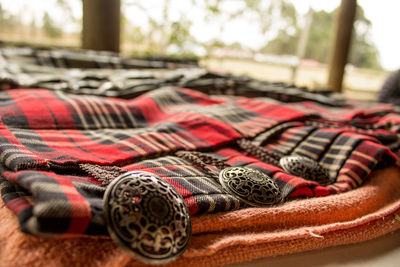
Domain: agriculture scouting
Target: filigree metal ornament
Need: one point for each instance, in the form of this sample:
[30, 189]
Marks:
[306, 168]
[251, 186]
[147, 217]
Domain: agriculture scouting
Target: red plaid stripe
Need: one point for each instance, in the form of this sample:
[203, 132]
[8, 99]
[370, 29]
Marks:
[359, 164]
[80, 208]
[19, 204]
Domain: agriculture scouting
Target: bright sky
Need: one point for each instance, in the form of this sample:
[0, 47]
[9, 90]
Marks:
[384, 15]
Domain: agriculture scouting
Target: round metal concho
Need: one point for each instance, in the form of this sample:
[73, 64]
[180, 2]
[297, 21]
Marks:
[306, 168]
[253, 187]
[147, 217]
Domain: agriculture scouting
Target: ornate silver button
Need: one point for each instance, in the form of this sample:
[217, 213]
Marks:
[147, 217]
[253, 187]
[306, 168]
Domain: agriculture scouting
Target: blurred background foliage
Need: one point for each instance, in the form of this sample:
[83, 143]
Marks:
[172, 32]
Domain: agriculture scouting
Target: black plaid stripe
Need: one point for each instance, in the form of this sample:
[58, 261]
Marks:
[228, 113]
[17, 199]
[366, 156]
[395, 144]
[135, 143]
[31, 140]
[274, 131]
[93, 194]
[57, 208]
[314, 145]
[11, 112]
[337, 153]
[17, 156]
[10, 190]
[246, 122]
[170, 97]
[91, 112]
[38, 221]
[289, 139]
[50, 205]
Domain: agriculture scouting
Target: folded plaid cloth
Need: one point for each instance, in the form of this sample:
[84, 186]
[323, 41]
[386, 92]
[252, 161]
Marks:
[85, 59]
[361, 214]
[55, 147]
[108, 74]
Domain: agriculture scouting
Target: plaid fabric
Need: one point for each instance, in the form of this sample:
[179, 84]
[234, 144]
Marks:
[85, 59]
[108, 74]
[46, 136]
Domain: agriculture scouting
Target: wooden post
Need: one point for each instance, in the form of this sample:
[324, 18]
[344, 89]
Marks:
[101, 25]
[341, 43]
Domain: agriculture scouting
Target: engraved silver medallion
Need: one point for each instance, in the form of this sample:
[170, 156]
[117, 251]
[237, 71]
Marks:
[251, 186]
[147, 217]
[306, 168]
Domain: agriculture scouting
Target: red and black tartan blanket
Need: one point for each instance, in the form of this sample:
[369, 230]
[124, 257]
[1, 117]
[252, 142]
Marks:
[48, 138]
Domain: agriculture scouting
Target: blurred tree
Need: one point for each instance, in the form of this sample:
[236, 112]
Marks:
[320, 36]
[277, 18]
[284, 43]
[65, 5]
[162, 32]
[131, 32]
[49, 28]
[287, 37]
[32, 27]
[363, 51]
[179, 32]
[8, 21]
[277, 22]
[1, 13]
